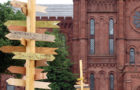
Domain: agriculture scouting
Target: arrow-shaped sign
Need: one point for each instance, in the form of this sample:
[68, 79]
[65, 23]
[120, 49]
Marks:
[20, 82]
[23, 29]
[32, 56]
[79, 86]
[17, 35]
[42, 50]
[22, 5]
[22, 70]
[39, 24]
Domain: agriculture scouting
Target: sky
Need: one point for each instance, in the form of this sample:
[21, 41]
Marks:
[45, 1]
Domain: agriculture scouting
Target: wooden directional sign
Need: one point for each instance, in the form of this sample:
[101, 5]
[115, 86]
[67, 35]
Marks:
[79, 86]
[19, 4]
[17, 35]
[41, 9]
[20, 82]
[39, 24]
[42, 50]
[23, 29]
[85, 87]
[21, 70]
[32, 56]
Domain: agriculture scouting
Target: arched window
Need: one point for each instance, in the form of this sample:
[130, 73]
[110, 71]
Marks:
[132, 56]
[111, 36]
[92, 33]
[111, 79]
[92, 27]
[92, 82]
[111, 27]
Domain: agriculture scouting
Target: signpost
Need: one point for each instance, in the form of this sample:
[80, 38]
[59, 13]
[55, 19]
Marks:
[81, 75]
[23, 6]
[25, 31]
[17, 35]
[81, 85]
[33, 56]
[20, 82]
[41, 50]
[22, 70]
[39, 24]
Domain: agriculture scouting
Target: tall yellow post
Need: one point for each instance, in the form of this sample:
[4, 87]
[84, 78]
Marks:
[30, 48]
[81, 75]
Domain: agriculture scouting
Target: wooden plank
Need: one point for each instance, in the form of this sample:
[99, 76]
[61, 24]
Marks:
[32, 56]
[39, 24]
[17, 35]
[22, 70]
[79, 86]
[20, 82]
[23, 29]
[41, 50]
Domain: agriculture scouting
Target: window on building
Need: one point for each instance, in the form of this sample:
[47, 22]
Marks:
[92, 27]
[111, 37]
[92, 82]
[132, 56]
[10, 87]
[92, 33]
[91, 46]
[111, 82]
[111, 27]
[111, 46]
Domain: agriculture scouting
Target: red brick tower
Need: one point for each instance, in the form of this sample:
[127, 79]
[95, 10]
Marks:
[106, 36]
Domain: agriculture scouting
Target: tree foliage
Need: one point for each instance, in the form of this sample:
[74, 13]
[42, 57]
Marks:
[58, 71]
[7, 12]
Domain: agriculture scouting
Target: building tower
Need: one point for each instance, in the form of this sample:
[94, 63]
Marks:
[106, 36]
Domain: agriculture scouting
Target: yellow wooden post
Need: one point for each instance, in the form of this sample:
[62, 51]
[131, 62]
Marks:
[81, 76]
[30, 48]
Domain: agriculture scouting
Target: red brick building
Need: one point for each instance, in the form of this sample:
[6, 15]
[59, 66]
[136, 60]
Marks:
[106, 36]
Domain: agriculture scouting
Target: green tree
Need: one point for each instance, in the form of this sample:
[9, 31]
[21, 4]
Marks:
[7, 12]
[58, 71]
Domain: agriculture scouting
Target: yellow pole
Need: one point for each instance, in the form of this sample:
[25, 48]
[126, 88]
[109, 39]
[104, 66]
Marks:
[30, 48]
[81, 75]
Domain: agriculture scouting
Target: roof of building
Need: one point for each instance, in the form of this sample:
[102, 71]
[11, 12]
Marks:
[57, 10]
